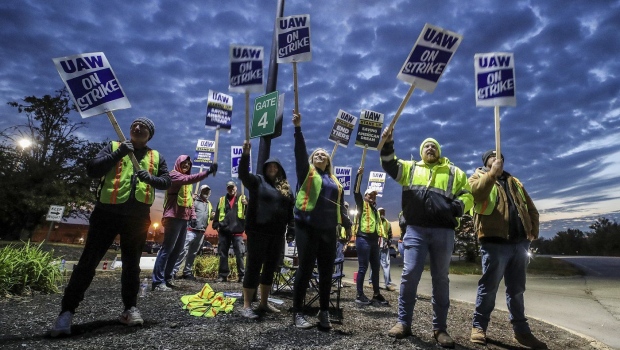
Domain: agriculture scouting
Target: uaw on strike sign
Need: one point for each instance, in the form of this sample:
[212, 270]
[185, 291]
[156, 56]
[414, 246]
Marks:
[92, 83]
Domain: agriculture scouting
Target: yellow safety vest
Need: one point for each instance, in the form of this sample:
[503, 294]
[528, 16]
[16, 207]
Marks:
[369, 223]
[184, 197]
[222, 204]
[115, 186]
[311, 188]
[486, 207]
[386, 228]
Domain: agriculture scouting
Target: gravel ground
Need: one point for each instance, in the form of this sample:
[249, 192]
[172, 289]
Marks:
[25, 321]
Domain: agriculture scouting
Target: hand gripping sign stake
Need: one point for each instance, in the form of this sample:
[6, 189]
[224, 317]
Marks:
[122, 138]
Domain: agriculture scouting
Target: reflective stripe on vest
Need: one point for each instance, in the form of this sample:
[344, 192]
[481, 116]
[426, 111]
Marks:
[222, 206]
[311, 188]
[386, 228]
[115, 186]
[184, 197]
[486, 207]
[369, 222]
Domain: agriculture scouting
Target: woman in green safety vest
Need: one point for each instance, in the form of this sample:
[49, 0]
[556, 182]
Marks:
[177, 211]
[319, 209]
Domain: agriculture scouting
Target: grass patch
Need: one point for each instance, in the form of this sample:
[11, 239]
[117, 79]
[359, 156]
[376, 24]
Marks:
[70, 252]
[537, 266]
[27, 268]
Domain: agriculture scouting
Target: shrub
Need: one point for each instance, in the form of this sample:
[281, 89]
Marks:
[26, 269]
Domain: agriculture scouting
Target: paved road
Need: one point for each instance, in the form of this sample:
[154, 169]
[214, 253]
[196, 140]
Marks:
[588, 305]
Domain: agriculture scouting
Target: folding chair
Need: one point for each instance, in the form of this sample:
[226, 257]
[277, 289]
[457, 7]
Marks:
[337, 276]
[284, 277]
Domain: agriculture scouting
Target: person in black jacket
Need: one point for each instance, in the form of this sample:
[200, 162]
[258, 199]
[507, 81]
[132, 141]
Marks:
[124, 199]
[269, 216]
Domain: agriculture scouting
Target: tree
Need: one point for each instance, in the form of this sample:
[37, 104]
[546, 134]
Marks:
[466, 239]
[50, 171]
[605, 237]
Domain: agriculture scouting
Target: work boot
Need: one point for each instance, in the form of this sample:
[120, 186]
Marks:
[324, 322]
[390, 288]
[300, 321]
[529, 341]
[443, 339]
[62, 324]
[478, 336]
[379, 299]
[399, 331]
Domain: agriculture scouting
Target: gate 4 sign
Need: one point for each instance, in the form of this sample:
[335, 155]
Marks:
[265, 113]
[55, 213]
[495, 79]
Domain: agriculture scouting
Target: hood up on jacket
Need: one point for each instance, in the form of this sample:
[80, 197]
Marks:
[181, 159]
[277, 161]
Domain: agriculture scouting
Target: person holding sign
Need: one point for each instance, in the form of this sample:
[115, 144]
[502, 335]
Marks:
[507, 223]
[124, 199]
[269, 217]
[178, 209]
[319, 209]
[369, 229]
[435, 194]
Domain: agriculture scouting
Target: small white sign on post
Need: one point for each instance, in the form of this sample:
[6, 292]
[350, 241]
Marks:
[376, 181]
[55, 213]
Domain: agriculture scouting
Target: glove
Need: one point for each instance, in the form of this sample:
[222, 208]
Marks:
[290, 234]
[144, 176]
[212, 169]
[126, 147]
[192, 223]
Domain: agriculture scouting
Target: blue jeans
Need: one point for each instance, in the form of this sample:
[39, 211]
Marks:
[367, 254]
[193, 242]
[384, 259]
[174, 240]
[223, 245]
[418, 242]
[510, 262]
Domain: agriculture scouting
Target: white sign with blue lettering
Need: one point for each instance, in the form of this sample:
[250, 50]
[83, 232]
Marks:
[205, 153]
[219, 110]
[246, 69]
[235, 159]
[343, 174]
[343, 128]
[429, 57]
[495, 79]
[293, 35]
[91, 83]
[376, 181]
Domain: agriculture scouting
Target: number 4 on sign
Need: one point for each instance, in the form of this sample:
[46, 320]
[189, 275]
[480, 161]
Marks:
[263, 122]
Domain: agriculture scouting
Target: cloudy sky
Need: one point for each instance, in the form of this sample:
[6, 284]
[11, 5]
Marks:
[561, 139]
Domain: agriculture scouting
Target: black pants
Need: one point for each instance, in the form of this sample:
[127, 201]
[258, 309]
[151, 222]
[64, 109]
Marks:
[318, 245]
[104, 226]
[264, 251]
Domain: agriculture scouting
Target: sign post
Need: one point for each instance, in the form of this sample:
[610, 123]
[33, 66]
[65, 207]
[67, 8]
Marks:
[495, 85]
[54, 214]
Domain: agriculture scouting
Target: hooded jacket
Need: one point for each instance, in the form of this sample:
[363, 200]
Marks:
[269, 211]
[171, 207]
[497, 223]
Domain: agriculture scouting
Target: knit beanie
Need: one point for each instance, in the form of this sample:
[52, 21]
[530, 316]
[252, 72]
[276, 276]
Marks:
[149, 124]
[433, 141]
[488, 154]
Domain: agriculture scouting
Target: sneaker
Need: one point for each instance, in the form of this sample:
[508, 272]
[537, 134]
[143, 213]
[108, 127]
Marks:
[247, 312]
[324, 320]
[379, 299]
[390, 288]
[478, 336]
[171, 284]
[300, 321]
[443, 339]
[131, 317]
[268, 308]
[62, 324]
[399, 331]
[362, 300]
[188, 277]
[162, 287]
[221, 279]
[529, 341]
